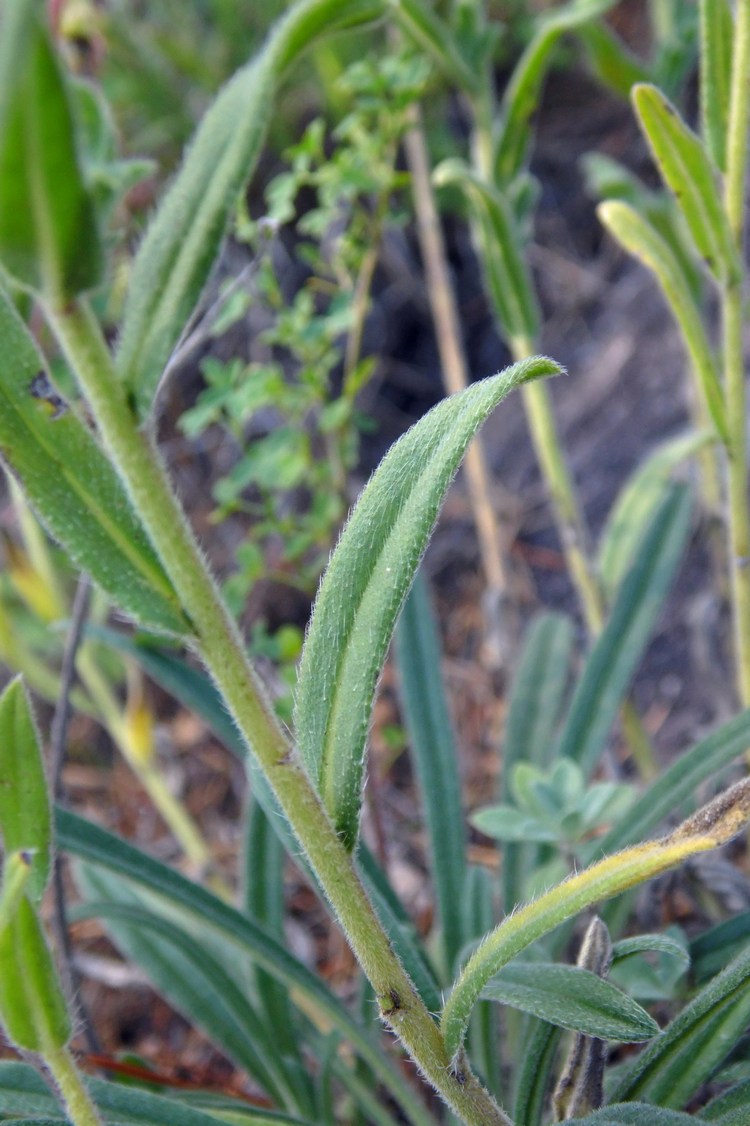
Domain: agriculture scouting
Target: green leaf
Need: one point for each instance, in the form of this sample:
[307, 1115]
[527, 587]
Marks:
[366, 582]
[97, 846]
[498, 239]
[572, 998]
[187, 974]
[24, 801]
[640, 943]
[536, 1057]
[641, 240]
[732, 1108]
[711, 950]
[24, 1092]
[688, 172]
[176, 257]
[48, 230]
[716, 38]
[672, 1069]
[434, 756]
[32, 1006]
[521, 97]
[678, 784]
[73, 487]
[635, 506]
[611, 61]
[612, 660]
[437, 40]
[632, 1114]
[533, 714]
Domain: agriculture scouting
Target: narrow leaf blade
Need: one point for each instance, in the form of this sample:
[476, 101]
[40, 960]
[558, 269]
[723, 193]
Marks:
[572, 998]
[435, 758]
[366, 582]
[48, 229]
[176, 257]
[612, 661]
[74, 488]
[688, 172]
[24, 799]
[716, 37]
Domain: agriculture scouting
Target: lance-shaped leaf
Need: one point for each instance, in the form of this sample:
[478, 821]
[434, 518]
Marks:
[689, 173]
[32, 1006]
[183, 241]
[687, 1053]
[73, 487]
[24, 801]
[711, 826]
[366, 582]
[641, 239]
[716, 37]
[48, 229]
[521, 98]
[633, 1114]
[497, 236]
[635, 507]
[572, 998]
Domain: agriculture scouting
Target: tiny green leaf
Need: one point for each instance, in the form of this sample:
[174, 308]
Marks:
[641, 240]
[688, 172]
[716, 38]
[571, 998]
[73, 487]
[48, 230]
[422, 25]
[32, 1006]
[176, 257]
[496, 232]
[24, 801]
[366, 582]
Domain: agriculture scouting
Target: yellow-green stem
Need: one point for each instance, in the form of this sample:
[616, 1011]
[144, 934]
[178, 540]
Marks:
[734, 366]
[220, 646]
[78, 1105]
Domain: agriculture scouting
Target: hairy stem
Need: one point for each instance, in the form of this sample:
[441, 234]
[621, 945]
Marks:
[219, 644]
[78, 1105]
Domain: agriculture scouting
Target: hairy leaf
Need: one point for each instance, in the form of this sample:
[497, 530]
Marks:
[24, 801]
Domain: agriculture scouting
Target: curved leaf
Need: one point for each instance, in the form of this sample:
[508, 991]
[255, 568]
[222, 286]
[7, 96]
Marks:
[688, 172]
[438, 41]
[366, 582]
[632, 1114]
[24, 801]
[48, 230]
[176, 257]
[573, 998]
[73, 487]
[671, 1069]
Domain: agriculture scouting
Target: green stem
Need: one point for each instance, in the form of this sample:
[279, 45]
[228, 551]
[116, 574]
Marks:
[734, 368]
[78, 1105]
[218, 642]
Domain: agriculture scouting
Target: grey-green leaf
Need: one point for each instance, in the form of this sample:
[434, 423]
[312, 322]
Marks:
[643, 241]
[716, 38]
[498, 242]
[571, 998]
[632, 1114]
[176, 257]
[670, 1070]
[689, 173]
[48, 228]
[611, 663]
[24, 800]
[366, 582]
[635, 507]
[73, 487]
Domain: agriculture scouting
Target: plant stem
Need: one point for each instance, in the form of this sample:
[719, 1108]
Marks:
[78, 1105]
[218, 642]
[734, 368]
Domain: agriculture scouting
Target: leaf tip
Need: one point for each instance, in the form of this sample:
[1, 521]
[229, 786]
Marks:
[720, 820]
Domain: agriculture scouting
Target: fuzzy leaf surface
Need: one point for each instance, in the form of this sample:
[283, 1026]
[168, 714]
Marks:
[73, 487]
[24, 800]
[48, 229]
[571, 998]
[182, 243]
[366, 582]
[689, 173]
